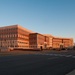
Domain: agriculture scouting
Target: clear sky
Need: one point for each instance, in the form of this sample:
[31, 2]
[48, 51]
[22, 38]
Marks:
[56, 17]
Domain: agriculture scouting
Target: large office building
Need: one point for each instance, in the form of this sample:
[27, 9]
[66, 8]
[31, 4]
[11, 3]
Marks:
[14, 36]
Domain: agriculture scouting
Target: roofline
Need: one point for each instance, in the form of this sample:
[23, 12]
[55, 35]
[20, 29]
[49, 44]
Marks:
[17, 25]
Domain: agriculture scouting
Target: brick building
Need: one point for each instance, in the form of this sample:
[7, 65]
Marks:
[62, 42]
[14, 36]
[56, 42]
[37, 40]
[67, 42]
[50, 42]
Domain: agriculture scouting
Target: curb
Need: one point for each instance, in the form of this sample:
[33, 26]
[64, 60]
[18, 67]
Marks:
[71, 73]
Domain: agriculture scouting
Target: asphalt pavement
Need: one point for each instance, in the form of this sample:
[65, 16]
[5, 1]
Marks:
[38, 63]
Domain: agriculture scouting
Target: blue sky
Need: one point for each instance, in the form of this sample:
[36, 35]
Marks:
[56, 17]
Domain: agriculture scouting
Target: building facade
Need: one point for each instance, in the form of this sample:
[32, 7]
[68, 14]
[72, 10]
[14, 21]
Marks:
[67, 42]
[37, 40]
[14, 36]
[62, 42]
[56, 42]
[50, 41]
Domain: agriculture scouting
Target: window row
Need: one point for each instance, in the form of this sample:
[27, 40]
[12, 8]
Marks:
[7, 36]
[7, 29]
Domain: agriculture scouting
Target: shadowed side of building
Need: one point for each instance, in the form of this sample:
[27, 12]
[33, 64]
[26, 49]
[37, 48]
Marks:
[38, 41]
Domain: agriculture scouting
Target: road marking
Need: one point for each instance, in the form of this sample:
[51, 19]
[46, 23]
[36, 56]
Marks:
[60, 55]
[73, 56]
[53, 58]
[68, 56]
[47, 54]
[55, 55]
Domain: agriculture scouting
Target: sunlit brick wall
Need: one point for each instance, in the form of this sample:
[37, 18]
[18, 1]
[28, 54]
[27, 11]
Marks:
[8, 36]
[66, 42]
[14, 36]
[56, 42]
[23, 38]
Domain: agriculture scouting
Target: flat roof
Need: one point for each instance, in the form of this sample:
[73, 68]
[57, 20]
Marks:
[16, 25]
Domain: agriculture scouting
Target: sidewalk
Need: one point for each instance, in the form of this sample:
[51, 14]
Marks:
[71, 73]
